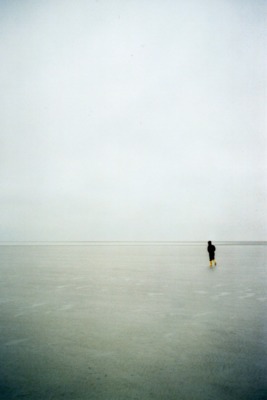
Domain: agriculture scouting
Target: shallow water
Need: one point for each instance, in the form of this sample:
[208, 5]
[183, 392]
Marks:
[133, 322]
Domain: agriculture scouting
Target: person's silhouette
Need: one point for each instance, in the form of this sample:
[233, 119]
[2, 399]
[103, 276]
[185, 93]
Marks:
[211, 250]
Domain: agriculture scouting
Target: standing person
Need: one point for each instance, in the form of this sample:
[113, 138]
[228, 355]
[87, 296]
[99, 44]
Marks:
[211, 250]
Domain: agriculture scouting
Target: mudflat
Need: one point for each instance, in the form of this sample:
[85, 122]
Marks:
[118, 322]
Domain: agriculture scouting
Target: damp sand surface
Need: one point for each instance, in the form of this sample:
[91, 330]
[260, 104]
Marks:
[112, 322]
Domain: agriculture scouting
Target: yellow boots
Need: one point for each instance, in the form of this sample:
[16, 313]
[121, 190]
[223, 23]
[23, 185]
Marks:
[212, 262]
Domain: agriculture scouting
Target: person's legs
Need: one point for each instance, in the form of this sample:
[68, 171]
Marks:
[212, 261]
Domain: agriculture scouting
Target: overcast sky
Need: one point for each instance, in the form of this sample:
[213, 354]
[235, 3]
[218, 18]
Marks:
[133, 120]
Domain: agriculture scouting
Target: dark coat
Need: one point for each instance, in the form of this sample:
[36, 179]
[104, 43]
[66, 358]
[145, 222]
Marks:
[211, 249]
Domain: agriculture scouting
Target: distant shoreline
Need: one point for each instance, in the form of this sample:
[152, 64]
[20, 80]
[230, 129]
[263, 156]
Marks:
[130, 243]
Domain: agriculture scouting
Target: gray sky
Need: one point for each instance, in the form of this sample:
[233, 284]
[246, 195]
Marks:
[133, 120]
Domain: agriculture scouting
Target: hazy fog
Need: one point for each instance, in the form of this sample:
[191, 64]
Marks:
[133, 120]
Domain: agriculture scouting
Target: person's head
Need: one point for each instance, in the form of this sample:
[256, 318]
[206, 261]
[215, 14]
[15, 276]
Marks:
[209, 242]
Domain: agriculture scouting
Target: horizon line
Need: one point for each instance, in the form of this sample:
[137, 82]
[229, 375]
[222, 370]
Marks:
[94, 242]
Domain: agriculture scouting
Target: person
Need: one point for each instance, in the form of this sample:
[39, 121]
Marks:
[211, 250]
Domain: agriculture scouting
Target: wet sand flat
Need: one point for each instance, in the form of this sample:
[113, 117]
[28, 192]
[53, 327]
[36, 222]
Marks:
[112, 322]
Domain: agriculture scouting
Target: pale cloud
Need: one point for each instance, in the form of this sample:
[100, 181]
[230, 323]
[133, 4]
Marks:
[132, 121]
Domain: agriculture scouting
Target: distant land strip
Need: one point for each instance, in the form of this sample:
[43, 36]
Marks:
[131, 243]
